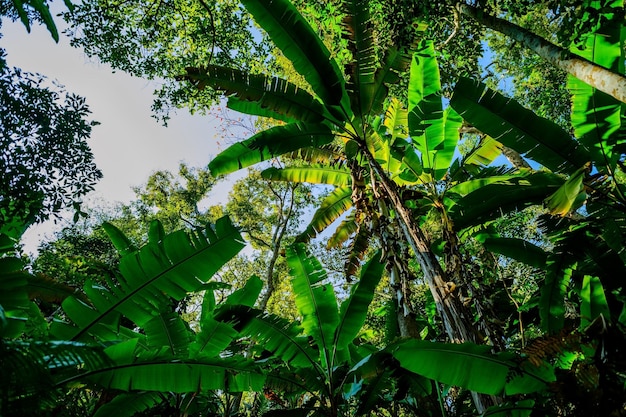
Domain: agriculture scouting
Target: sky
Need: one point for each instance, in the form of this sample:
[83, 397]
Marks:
[129, 144]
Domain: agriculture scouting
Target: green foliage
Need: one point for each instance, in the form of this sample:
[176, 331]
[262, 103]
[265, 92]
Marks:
[50, 166]
[473, 367]
[178, 264]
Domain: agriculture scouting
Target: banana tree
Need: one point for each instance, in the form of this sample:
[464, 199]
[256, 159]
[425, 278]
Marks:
[339, 110]
[312, 359]
[147, 345]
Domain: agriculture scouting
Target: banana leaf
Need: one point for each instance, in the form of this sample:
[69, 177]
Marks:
[394, 63]
[128, 405]
[334, 205]
[362, 70]
[559, 270]
[282, 337]
[490, 201]
[342, 233]
[320, 174]
[227, 374]
[315, 300]
[272, 95]
[518, 249]
[293, 35]
[473, 367]
[179, 264]
[593, 301]
[596, 116]
[518, 128]
[353, 310]
[424, 94]
[269, 144]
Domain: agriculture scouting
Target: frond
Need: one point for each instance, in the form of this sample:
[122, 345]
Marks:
[269, 144]
[178, 264]
[514, 126]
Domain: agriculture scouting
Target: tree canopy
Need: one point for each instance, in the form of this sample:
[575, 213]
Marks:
[482, 237]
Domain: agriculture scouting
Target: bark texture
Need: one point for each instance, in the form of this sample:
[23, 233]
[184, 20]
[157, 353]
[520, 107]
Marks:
[605, 80]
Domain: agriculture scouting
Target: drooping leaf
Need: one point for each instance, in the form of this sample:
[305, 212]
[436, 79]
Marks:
[334, 205]
[356, 252]
[269, 144]
[473, 367]
[269, 94]
[342, 233]
[353, 310]
[518, 128]
[518, 249]
[490, 201]
[570, 196]
[293, 35]
[320, 174]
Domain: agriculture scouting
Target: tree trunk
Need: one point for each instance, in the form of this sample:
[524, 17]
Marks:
[598, 77]
[457, 319]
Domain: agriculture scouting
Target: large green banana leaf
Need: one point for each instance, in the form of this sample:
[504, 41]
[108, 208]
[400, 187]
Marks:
[227, 374]
[490, 201]
[180, 263]
[14, 302]
[353, 310]
[334, 205]
[215, 336]
[315, 300]
[293, 35]
[559, 270]
[516, 127]
[320, 174]
[424, 94]
[271, 94]
[167, 333]
[596, 116]
[361, 71]
[518, 249]
[593, 301]
[269, 144]
[473, 367]
[448, 130]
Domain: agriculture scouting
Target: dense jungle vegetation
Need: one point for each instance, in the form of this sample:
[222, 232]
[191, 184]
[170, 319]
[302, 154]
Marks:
[433, 221]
